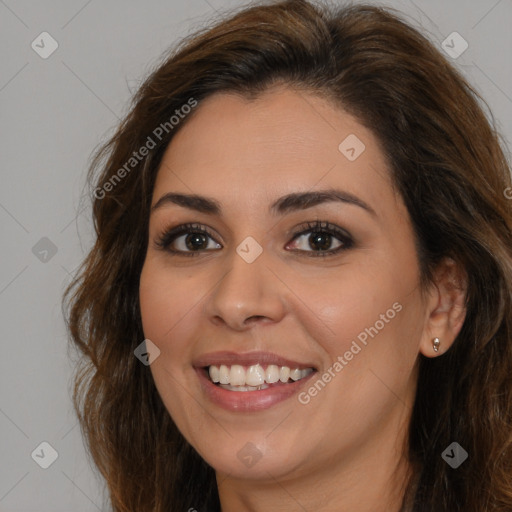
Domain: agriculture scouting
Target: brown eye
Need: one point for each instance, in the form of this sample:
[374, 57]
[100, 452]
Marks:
[321, 239]
[196, 241]
[188, 240]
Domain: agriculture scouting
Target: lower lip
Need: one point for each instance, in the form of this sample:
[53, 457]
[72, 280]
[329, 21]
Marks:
[249, 401]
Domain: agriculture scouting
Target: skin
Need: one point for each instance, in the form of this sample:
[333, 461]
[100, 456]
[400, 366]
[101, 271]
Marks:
[344, 450]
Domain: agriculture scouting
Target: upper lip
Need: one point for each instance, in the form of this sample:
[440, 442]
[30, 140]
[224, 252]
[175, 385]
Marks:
[247, 359]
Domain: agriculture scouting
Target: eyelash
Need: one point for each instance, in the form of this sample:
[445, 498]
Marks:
[319, 227]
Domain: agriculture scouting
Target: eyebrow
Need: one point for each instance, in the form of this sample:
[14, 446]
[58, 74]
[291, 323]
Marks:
[291, 202]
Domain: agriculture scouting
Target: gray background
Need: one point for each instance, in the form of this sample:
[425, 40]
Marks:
[55, 111]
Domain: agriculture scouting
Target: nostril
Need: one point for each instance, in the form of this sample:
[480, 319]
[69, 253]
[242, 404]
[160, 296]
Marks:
[255, 318]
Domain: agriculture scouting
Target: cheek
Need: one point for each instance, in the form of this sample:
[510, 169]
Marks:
[168, 303]
[370, 315]
[350, 303]
[168, 306]
[372, 345]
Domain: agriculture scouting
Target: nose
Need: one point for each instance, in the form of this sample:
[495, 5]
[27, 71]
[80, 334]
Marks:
[248, 293]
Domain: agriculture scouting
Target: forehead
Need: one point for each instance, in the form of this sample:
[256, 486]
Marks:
[283, 141]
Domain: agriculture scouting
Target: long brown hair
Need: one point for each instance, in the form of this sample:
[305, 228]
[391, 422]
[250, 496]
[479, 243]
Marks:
[448, 166]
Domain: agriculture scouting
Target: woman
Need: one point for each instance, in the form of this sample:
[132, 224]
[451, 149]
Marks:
[304, 236]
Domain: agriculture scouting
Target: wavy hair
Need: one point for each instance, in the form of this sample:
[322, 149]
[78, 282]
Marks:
[448, 165]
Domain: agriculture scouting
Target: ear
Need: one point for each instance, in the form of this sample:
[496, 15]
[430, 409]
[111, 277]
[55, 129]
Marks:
[445, 307]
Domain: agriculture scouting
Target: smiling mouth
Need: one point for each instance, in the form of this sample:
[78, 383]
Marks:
[255, 377]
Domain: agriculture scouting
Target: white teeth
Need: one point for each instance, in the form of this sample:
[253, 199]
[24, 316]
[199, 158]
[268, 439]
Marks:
[295, 374]
[243, 388]
[236, 378]
[255, 375]
[237, 375]
[272, 374]
[223, 374]
[214, 373]
[284, 374]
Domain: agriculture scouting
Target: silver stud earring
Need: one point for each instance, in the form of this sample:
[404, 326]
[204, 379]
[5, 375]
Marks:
[435, 343]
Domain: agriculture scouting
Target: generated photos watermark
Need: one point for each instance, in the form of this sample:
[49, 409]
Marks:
[355, 348]
[137, 156]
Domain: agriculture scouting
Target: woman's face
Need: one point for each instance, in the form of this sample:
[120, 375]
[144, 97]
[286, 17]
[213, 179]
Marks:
[308, 262]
